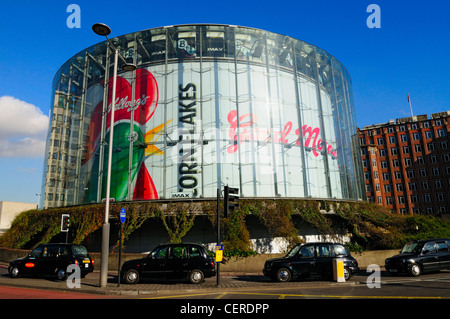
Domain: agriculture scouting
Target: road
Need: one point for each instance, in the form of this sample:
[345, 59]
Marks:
[433, 286]
[30, 293]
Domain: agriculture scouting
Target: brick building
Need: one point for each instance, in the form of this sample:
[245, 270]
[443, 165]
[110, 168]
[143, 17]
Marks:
[406, 164]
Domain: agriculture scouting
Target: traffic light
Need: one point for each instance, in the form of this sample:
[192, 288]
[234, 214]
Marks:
[65, 221]
[231, 200]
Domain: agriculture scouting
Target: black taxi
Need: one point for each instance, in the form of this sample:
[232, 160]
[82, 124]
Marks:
[182, 260]
[52, 260]
[310, 260]
[420, 256]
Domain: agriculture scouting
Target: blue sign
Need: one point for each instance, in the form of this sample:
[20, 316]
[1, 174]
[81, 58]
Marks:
[123, 215]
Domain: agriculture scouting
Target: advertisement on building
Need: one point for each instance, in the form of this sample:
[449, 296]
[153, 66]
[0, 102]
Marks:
[201, 137]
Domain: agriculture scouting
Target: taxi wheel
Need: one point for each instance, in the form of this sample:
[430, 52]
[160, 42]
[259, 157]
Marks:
[416, 270]
[131, 276]
[61, 274]
[347, 273]
[196, 276]
[15, 272]
[283, 275]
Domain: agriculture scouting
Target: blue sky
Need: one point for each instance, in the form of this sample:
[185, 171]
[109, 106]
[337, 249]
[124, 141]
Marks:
[408, 54]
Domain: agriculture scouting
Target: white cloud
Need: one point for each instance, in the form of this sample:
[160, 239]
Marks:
[23, 128]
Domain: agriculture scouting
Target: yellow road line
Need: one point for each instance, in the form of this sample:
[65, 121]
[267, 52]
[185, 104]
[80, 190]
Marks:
[221, 295]
[283, 296]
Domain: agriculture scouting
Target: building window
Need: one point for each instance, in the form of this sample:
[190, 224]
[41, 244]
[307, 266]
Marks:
[406, 149]
[384, 164]
[386, 176]
[414, 199]
[394, 151]
[438, 183]
[444, 145]
[446, 157]
[425, 185]
[427, 198]
[408, 161]
[392, 139]
[380, 141]
[426, 124]
[428, 134]
[399, 187]
[382, 152]
[404, 138]
[435, 171]
[398, 175]
[389, 200]
[410, 173]
[412, 186]
[433, 159]
[420, 160]
[365, 163]
[401, 199]
[387, 188]
[395, 163]
[418, 148]
[438, 122]
[423, 172]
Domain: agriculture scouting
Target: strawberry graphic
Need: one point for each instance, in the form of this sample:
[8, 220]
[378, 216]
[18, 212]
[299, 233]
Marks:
[144, 104]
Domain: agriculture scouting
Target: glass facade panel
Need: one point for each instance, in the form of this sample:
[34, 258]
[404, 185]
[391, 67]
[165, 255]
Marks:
[208, 106]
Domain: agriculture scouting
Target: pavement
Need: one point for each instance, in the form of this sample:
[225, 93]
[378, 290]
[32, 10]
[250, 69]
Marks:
[228, 281]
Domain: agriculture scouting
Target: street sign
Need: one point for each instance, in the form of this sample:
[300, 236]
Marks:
[123, 215]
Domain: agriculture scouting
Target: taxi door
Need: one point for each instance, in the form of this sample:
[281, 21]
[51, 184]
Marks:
[303, 263]
[177, 263]
[156, 263]
[324, 260]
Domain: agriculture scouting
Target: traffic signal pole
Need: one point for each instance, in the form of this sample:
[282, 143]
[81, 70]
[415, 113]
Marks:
[218, 235]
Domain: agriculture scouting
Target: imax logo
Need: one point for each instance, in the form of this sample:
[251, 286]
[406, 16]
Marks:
[181, 195]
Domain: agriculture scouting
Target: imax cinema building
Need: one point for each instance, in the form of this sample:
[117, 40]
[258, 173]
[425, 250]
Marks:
[207, 106]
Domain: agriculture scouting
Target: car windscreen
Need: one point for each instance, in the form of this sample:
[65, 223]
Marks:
[293, 251]
[80, 251]
[409, 248]
[340, 250]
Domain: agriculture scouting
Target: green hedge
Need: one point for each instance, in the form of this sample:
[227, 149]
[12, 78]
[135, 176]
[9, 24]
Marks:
[370, 226]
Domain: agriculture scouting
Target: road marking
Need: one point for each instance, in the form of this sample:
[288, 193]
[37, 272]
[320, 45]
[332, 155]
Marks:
[221, 295]
[283, 296]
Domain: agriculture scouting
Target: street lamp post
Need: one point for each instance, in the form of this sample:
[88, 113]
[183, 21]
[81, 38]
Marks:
[104, 30]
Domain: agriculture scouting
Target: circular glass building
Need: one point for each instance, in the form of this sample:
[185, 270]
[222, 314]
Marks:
[207, 106]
